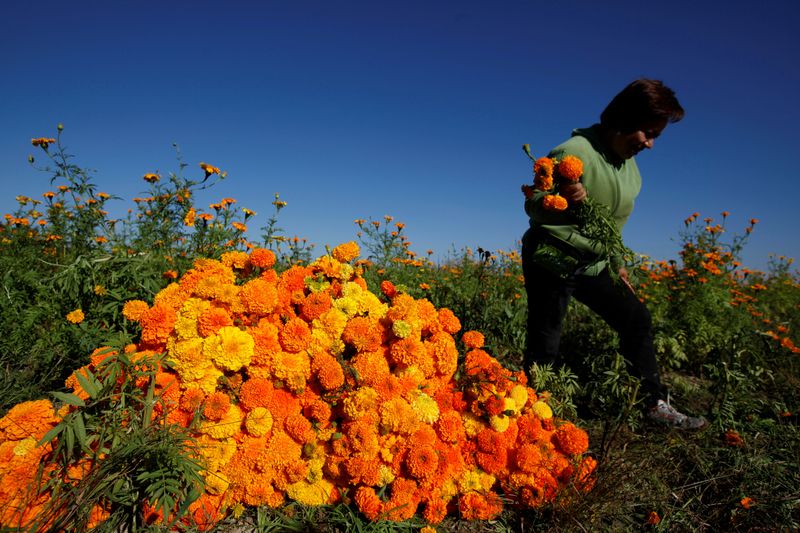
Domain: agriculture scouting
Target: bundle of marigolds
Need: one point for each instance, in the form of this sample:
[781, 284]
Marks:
[594, 220]
[306, 386]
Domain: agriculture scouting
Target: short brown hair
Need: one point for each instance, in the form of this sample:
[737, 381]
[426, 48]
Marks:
[641, 102]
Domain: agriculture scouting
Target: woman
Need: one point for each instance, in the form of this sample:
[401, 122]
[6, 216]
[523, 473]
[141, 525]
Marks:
[630, 123]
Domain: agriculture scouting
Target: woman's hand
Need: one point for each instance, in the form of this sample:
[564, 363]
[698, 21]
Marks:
[623, 275]
[573, 192]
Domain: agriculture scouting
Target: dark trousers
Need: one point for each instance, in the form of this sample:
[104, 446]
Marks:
[548, 297]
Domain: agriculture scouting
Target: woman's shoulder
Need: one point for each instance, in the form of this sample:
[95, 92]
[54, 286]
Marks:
[577, 145]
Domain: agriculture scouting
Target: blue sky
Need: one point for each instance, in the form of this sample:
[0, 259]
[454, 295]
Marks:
[415, 109]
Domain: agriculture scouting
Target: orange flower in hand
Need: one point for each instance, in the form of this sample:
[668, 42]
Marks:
[554, 202]
[570, 168]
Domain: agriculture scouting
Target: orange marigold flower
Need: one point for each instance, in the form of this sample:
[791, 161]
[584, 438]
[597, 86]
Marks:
[76, 316]
[209, 169]
[259, 296]
[170, 274]
[371, 367]
[346, 252]
[450, 427]
[544, 167]
[422, 461]
[363, 333]
[388, 289]
[410, 352]
[542, 183]
[262, 258]
[747, 502]
[255, 392]
[157, 324]
[732, 438]
[299, 428]
[151, 178]
[449, 321]
[570, 439]
[319, 412]
[554, 202]
[213, 319]
[404, 501]
[570, 168]
[653, 519]
[192, 399]
[27, 419]
[368, 502]
[44, 142]
[295, 335]
[239, 226]
[329, 372]
[314, 305]
[530, 458]
[216, 406]
[473, 340]
[474, 506]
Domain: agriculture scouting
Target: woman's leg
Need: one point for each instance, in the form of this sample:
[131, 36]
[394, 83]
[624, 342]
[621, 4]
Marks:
[548, 297]
[629, 317]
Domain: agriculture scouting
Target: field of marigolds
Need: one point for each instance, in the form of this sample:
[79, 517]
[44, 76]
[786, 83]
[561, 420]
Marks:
[167, 372]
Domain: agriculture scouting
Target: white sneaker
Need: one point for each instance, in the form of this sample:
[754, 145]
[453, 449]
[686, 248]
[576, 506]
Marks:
[664, 413]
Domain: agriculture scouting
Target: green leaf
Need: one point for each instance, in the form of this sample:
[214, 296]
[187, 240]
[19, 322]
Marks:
[88, 382]
[69, 398]
[69, 439]
[80, 430]
[53, 433]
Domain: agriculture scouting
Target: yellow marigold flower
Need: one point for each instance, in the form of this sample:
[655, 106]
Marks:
[76, 316]
[499, 423]
[25, 446]
[190, 217]
[401, 328]
[235, 259]
[311, 494]
[519, 394]
[239, 226]
[386, 476]
[542, 410]
[426, 408]
[348, 306]
[99, 290]
[472, 425]
[231, 348]
[151, 178]
[346, 252]
[216, 482]
[554, 202]
[229, 426]
[358, 404]
[258, 422]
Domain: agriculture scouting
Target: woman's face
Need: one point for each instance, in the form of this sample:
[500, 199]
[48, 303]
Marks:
[627, 144]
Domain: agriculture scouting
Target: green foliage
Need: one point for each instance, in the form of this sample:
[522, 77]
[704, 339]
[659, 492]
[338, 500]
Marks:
[137, 461]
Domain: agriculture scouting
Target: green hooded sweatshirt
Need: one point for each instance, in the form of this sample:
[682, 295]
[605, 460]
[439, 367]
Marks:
[614, 184]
